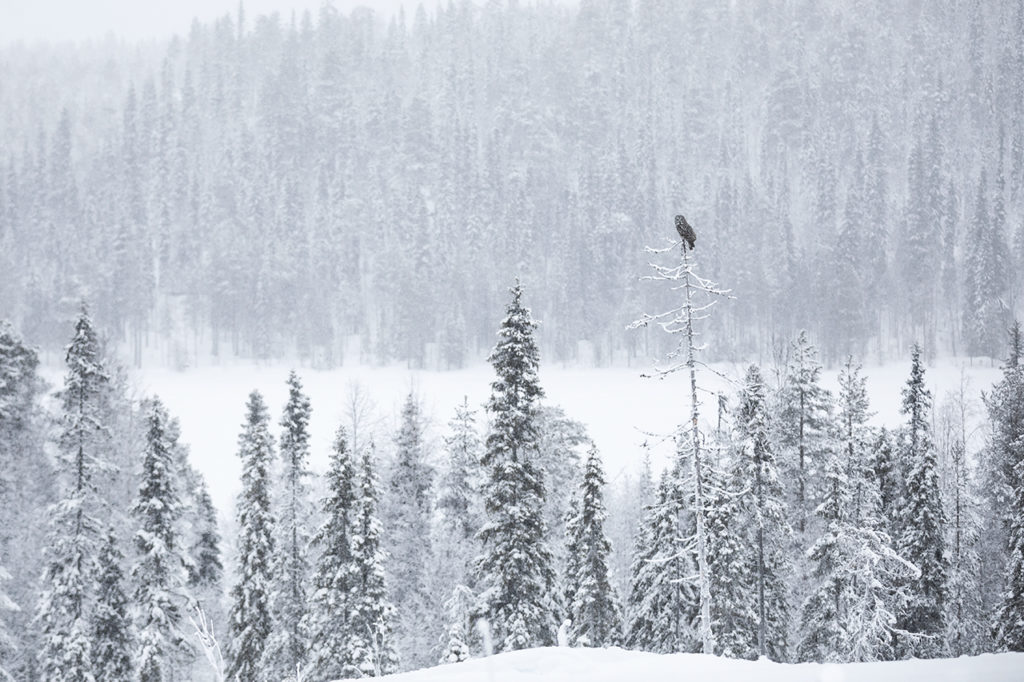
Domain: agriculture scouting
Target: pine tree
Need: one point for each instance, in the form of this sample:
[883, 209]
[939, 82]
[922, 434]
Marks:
[802, 423]
[112, 631]
[515, 569]
[158, 573]
[593, 606]
[288, 645]
[1005, 478]
[764, 513]
[336, 576]
[663, 601]
[407, 514]
[372, 646]
[249, 622]
[921, 539]
[64, 612]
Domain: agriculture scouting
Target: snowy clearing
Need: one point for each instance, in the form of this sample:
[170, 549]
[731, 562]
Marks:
[620, 408]
[608, 665]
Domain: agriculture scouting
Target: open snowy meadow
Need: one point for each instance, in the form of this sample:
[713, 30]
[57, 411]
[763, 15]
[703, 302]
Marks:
[621, 408]
[618, 665]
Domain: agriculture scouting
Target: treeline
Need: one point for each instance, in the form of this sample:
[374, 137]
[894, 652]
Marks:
[332, 188]
[827, 539]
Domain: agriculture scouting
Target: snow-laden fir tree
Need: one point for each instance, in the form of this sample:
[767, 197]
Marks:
[590, 599]
[965, 619]
[408, 506]
[159, 570]
[664, 602]
[888, 477]
[8, 646]
[823, 617]
[66, 603]
[459, 485]
[206, 570]
[922, 534]
[1005, 487]
[560, 444]
[372, 638]
[459, 505]
[113, 643]
[802, 424]
[459, 617]
[288, 645]
[733, 580]
[515, 571]
[336, 576]
[24, 472]
[764, 514]
[249, 623]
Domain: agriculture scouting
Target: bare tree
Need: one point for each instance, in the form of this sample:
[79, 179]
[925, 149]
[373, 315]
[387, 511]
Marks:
[699, 295]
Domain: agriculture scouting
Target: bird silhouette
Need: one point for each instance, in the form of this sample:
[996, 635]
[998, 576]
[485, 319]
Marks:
[686, 232]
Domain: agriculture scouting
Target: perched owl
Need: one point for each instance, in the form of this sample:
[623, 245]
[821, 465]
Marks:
[686, 232]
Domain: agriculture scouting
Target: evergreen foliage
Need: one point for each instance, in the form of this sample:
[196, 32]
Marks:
[287, 648]
[515, 570]
[1006, 488]
[336, 576]
[764, 514]
[664, 601]
[592, 604]
[113, 641]
[407, 523]
[921, 540]
[249, 625]
[65, 607]
[159, 571]
[372, 638]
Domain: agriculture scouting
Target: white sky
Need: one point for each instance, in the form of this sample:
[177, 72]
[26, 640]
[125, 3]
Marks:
[33, 21]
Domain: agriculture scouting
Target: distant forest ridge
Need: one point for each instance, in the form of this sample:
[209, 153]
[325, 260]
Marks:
[337, 185]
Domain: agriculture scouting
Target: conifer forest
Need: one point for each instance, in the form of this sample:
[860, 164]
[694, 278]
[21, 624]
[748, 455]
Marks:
[486, 190]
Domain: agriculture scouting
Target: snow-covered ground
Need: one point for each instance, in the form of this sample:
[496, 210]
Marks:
[621, 409]
[617, 665]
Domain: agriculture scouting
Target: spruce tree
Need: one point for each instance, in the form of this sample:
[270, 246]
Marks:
[158, 574]
[802, 424]
[663, 600]
[921, 539]
[206, 570]
[515, 570]
[331, 623]
[371, 644]
[112, 631]
[733, 579]
[407, 514]
[64, 612]
[823, 616]
[592, 604]
[459, 486]
[764, 513]
[964, 615]
[288, 645]
[249, 623]
[1005, 478]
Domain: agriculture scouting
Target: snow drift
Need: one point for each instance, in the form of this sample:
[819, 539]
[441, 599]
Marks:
[608, 665]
